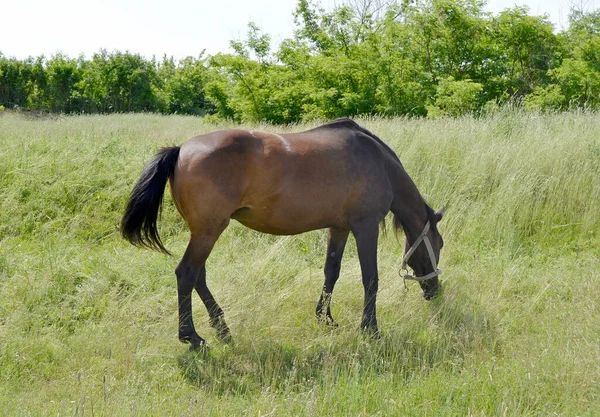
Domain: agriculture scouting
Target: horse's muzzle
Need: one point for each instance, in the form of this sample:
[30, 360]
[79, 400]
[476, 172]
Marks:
[431, 290]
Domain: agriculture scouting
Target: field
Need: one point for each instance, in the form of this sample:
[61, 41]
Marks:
[88, 323]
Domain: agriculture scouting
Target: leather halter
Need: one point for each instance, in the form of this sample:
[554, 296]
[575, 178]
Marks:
[422, 238]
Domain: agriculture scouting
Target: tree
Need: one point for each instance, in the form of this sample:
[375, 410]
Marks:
[119, 82]
[528, 50]
[62, 77]
[576, 82]
[16, 83]
[183, 86]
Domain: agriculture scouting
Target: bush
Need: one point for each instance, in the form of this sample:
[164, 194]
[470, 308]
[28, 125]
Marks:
[455, 98]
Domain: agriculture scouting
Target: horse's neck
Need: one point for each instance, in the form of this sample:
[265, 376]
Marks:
[408, 204]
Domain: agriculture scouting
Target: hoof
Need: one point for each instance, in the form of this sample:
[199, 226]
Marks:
[223, 332]
[328, 321]
[225, 337]
[200, 347]
[195, 341]
[372, 333]
[370, 328]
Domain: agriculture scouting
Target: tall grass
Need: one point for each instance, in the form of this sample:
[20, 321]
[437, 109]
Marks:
[88, 323]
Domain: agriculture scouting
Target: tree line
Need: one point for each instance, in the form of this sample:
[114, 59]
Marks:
[366, 57]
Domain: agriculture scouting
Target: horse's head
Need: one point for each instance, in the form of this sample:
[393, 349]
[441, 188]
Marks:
[423, 255]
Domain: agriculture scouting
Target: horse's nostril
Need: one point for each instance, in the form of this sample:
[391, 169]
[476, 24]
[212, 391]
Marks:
[430, 294]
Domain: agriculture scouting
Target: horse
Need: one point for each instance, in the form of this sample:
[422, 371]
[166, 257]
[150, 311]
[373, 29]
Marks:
[337, 176]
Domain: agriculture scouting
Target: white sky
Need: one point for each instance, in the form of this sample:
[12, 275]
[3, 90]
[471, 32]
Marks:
[177, 28]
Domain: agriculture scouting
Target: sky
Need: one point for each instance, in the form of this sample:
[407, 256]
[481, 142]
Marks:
[177, 28]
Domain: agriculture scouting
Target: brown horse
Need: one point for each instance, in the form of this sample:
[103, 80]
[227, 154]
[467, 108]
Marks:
[338, 176]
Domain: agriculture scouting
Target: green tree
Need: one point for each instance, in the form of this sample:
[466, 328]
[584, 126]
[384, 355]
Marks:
[183, 86]
[120, 82]
[576, 82]
[16, 85]
[528, 50]
[62, 77]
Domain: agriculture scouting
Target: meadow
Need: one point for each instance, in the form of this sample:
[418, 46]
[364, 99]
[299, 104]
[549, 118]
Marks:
[88, 323]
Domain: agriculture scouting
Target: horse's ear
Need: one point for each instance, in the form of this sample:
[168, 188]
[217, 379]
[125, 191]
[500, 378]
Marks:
[439, 214]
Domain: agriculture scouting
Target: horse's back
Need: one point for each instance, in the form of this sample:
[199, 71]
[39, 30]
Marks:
[283, 183]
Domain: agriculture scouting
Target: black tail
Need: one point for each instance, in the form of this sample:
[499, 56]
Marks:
[138, 225]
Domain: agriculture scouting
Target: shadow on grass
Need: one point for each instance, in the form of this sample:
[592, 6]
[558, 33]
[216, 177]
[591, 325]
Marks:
[447, 333]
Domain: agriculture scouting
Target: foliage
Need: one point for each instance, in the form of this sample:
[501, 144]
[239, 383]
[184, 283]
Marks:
[183, 86]
[576, 83]
[363, 57]
[107, 83]
[455, 98]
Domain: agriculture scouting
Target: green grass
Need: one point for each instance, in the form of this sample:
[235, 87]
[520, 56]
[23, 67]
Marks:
[88, 322]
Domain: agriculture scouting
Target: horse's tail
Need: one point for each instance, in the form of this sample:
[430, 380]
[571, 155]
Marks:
[138, 225]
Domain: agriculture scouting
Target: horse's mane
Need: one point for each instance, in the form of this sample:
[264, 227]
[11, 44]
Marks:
[399, 224]
[347, 123]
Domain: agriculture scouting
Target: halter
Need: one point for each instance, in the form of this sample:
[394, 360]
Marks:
[422, 238]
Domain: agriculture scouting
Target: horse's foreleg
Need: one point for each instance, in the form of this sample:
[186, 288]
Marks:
[215, 313]
[366, 242]
[336, 242]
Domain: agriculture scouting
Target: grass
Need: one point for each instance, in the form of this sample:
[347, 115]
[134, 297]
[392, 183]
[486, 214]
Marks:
[88, 323]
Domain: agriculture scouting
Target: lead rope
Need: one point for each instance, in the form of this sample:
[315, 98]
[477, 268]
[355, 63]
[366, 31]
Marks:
[422, 238]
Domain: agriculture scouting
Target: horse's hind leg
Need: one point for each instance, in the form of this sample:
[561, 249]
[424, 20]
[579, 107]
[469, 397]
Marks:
[188, 272]
[215, 313]
[336, 242]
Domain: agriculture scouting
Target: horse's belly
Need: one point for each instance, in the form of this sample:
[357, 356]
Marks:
[288, 222]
